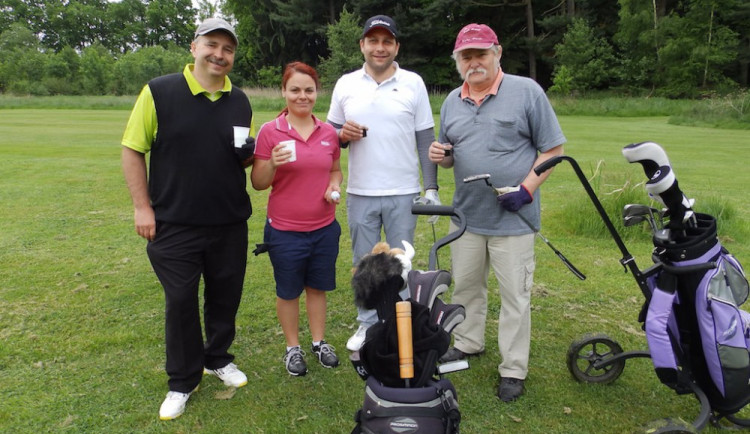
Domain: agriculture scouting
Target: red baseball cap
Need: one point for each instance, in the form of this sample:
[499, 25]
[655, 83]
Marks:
[475, 36]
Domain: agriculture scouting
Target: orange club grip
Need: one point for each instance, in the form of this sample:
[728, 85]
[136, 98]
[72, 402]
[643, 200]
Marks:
[405, 345]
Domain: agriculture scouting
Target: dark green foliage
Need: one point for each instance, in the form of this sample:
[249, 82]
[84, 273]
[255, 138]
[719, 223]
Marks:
[675, 49]
[345, 55]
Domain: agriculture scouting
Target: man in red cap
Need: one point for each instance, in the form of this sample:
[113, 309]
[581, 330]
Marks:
[502, 125]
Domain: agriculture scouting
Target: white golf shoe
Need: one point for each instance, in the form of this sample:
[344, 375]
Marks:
[358, 338]
[174, 405]
[230, 375]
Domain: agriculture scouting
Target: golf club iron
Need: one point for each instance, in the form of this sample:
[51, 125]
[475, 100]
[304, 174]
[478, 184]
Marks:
[633, 214]
[486, 178]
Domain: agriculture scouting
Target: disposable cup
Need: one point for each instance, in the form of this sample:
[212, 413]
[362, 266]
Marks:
[290, 145]
[240, 134]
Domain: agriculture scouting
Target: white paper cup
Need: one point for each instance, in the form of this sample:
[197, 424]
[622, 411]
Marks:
[240, 134]
[290, 145]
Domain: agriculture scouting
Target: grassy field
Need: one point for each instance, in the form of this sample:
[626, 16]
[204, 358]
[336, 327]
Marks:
[81, 312]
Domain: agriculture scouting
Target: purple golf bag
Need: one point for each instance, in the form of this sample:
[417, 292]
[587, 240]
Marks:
[698, 337]
[694, 326]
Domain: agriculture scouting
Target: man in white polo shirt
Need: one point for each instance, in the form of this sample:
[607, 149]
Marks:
[383, 113]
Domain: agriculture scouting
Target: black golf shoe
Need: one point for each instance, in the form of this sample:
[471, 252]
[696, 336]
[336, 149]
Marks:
[510, 389]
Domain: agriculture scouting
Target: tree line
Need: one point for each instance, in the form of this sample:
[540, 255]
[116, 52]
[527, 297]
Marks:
[673, 48]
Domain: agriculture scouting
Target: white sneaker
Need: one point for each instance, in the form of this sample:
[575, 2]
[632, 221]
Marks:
[174, 405]
[230, 375]
[358, 338]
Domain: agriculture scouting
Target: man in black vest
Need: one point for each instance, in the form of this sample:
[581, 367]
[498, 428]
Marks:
[193, 206]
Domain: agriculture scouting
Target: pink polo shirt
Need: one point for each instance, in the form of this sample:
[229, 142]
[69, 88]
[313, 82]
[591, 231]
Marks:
[297, 201]
[493, 89]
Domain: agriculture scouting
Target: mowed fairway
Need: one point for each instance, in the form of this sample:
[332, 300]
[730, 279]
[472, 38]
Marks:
[81, 312]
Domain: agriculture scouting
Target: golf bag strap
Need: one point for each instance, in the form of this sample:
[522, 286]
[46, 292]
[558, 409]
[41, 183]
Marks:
[450, 406]
[357, 418]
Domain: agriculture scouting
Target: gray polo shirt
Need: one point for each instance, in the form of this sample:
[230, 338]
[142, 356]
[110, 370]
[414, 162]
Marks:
[502, 137]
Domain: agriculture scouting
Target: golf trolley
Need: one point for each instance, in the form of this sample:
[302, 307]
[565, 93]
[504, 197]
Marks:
[697, 336]
[404, 387]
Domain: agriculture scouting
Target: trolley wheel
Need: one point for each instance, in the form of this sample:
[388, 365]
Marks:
[592, 348]
[739, 421]
[669, 426]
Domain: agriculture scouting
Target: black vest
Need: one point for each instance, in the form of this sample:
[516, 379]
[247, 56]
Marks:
[194, 176]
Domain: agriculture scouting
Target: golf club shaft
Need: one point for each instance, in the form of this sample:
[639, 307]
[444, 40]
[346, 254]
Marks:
[562, 257]
[405, 345]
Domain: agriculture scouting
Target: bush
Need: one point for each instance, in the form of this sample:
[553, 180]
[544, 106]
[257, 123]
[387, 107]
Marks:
[133, 70]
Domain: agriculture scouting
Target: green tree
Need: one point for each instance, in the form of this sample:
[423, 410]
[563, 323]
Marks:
[97, 66]
[126, 26]
[345, 56]
[74, 23]
[588, 58]
[637, 42]
[22, 65]
[697, 49]
[62, 75]
[133, 70]
[169, 21]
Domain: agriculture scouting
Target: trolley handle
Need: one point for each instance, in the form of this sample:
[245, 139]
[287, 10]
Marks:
[547, 165]
[445, 210]
[419, 209]
[687, 269]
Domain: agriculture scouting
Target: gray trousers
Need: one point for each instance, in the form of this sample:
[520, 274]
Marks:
[367, 216]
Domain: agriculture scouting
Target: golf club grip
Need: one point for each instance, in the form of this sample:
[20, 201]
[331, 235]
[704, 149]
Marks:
[547, 165]
[405, 346]
[571, 267]
[418, 209]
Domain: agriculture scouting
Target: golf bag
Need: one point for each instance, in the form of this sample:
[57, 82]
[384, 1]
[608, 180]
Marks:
[424, 403]
[698, 337]
[694, 326]
[429, 409]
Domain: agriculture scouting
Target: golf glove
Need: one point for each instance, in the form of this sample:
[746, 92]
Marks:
[432, 199]
[246, 150]
[513, 198]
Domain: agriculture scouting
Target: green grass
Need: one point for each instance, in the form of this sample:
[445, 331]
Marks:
[81, 312]
[729, 111]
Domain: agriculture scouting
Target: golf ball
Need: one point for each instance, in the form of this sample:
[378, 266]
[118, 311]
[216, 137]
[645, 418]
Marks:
[335, 195]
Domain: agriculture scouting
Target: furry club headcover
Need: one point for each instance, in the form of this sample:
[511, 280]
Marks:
[380, 276]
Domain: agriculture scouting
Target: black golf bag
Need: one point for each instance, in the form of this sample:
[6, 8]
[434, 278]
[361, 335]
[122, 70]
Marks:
[425, 403]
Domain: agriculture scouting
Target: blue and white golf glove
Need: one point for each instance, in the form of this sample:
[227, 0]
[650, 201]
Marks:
[513, 198]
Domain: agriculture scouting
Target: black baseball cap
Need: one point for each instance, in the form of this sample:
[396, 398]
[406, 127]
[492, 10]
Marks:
[380, 22]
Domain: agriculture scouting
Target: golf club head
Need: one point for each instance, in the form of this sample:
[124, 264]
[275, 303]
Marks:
[636, 209]
[633, 220]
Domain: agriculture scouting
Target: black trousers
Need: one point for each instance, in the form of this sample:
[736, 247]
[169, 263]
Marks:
[180, 256]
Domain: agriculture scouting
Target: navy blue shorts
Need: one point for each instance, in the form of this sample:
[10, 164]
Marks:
[303, 259]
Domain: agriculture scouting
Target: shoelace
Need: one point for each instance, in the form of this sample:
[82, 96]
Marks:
[294, 355]
[174, 396]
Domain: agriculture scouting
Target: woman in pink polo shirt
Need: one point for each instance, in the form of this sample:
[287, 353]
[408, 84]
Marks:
[297, 155]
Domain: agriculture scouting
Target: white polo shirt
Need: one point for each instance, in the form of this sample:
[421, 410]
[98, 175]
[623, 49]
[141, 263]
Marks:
[384, 163]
